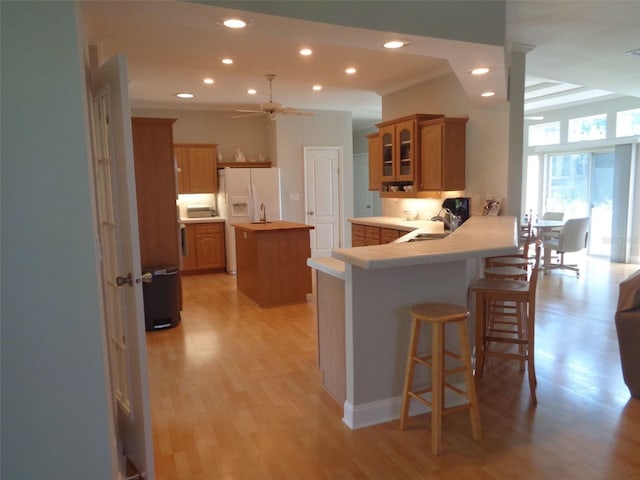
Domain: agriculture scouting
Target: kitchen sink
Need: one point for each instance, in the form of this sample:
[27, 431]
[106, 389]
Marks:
[428, 236]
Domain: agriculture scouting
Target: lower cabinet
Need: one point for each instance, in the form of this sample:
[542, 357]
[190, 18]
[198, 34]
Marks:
[362, 235]
[205, 247]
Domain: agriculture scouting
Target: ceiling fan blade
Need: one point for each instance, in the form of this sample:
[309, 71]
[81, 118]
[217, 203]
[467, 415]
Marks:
[252, 114]
[250, 111]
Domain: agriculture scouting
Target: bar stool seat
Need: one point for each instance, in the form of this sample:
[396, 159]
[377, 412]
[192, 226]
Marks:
[438, 315]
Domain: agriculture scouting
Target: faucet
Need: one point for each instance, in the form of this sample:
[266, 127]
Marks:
[263, 213]
[450, 220]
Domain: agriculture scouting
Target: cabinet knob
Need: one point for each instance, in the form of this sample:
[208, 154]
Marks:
[310, 212]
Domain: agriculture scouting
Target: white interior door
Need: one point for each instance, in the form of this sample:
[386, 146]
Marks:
[322, 202]
[123, 309]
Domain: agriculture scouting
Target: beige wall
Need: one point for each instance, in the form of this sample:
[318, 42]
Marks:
[250, 134]
[487, 133]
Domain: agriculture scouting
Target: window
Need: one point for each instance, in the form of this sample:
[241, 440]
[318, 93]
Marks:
[588, 128]
[544, 134]
[628, 123]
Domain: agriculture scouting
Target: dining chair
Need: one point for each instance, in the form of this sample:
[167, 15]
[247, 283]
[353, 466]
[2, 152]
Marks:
[572, 238]
[554, 232]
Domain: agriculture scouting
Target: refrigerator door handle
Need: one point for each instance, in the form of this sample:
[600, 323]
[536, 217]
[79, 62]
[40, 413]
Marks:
[252, 203]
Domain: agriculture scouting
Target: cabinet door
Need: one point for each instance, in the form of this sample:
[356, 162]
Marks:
[182, 164]
[375, 162]
[387, 138]
[190, 261]
[431, 157]
[210, 248]
[405, 151]
[372, 235]
[202, 170]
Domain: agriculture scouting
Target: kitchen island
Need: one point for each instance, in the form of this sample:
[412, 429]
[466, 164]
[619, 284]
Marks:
[380, 284]
[271, 259]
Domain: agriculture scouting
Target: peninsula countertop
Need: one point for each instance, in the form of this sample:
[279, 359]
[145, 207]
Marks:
[479, 236]
[271, 226]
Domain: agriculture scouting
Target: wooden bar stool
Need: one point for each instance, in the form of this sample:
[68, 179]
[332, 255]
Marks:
[515, 327]
[438, 315]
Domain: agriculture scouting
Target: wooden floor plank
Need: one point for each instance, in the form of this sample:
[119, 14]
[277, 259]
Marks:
[235, 394]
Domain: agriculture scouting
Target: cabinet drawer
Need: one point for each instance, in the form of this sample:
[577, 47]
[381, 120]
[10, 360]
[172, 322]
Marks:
[357, 230]
[372, 233]
[203, 228]
[388, 235]
[357, 241]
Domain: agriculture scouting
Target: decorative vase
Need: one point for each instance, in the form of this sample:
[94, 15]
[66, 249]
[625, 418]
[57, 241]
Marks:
[239, 156]
[219, 155]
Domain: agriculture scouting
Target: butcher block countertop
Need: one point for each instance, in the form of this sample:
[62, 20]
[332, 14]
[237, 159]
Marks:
[271, 226]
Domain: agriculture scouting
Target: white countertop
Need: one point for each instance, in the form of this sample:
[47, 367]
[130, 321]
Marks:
[480, 236]
[331, 266]
[202, 220]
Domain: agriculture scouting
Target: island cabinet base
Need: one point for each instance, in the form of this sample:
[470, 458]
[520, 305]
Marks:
[331, 335]
[271, 263]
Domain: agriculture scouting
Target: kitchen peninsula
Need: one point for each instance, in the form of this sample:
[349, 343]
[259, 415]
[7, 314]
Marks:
[272, 257]
[380, 284]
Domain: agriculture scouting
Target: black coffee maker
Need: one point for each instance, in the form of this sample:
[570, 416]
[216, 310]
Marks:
[459, 206]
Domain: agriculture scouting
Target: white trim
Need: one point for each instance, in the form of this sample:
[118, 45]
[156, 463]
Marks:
[387, 410]
[588, 145]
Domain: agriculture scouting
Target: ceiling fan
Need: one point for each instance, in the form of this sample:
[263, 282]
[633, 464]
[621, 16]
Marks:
[272, 108]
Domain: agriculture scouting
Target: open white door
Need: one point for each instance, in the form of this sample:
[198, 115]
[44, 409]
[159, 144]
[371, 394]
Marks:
[322, 199]
[117, 217]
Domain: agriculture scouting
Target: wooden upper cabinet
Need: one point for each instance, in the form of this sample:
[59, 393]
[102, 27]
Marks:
[375, 163]
[197, 169]
[442, 155]
[397, 149]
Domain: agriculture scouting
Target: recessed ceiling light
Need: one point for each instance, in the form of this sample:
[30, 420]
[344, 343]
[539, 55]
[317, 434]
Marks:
[235, 22]
[208, 81]
[317, 88]
[350, 70]
[488, 94]
[394, 44]
[480, 70]
[305, 52]
[227, 61]
[185, 95]
[252, 91]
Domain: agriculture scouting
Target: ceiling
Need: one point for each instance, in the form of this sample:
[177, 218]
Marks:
[578, 55]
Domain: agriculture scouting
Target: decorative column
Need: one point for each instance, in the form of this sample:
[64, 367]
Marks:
[516, 75]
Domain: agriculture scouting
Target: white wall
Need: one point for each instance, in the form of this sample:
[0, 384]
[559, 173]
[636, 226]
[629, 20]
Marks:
[324, 129]
[487, 134]
[55, 421]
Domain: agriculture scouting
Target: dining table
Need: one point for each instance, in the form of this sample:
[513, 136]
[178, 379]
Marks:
[542, 228]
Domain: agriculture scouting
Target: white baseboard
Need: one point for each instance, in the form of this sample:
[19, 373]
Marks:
[382, 411]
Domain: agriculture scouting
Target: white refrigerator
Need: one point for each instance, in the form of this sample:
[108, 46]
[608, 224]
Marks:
[241, 192]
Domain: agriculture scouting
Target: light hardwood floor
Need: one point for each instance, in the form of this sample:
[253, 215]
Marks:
[235, 394]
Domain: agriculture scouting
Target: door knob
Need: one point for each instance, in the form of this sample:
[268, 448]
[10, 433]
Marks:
[147, 277]
[310, 212]
[121, 281]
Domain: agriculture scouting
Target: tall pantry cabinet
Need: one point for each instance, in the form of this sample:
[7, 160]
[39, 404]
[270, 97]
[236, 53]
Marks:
[156, 191]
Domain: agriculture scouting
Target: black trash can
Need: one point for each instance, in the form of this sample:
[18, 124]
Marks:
[161, 298]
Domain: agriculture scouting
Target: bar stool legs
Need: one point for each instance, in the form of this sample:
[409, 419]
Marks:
[438, 315]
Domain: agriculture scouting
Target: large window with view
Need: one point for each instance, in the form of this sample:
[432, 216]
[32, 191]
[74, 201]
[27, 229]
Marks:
[581, 185]
[593, 127]
[544, 134]
[628, 123]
